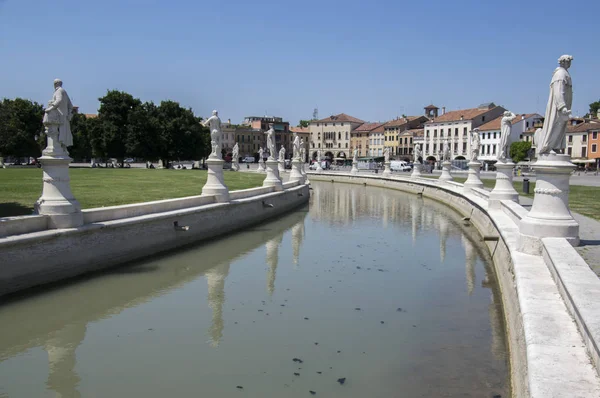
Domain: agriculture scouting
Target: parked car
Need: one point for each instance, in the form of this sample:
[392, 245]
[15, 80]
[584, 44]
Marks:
[248, 159]
[400, 165]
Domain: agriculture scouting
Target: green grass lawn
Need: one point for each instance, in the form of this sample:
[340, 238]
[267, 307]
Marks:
[21, 187]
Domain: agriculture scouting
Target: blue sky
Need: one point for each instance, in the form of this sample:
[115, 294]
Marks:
[373, 60]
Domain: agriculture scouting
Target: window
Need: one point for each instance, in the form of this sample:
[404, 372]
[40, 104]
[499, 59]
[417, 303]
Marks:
[570, 139]
[434, 148]
[317, 124]
[595, 135]
[456, 132]
[427, 134]
[325, 124]
[584, 138]
[494, 135]
[339, 145]
[346, 145]
[342, 124]
[427, 148]
[464, 147]
[319, 145]
[333, 124]
[464, 131]
[441, 132]
[339, 136]
[494, 150]
[434, 133]
[584, 152]
[346, 135]
[483, 118]
[594, 148]
[570, 151]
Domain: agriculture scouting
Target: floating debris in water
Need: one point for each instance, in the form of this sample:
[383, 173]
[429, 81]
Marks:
[239, 387]
[316, 343]
[312, 392]
[297, 360]
[260, 310]
[296, 374]
[341, 380]
[382, 322]
[338, 352]
[319, 372]
[357, 309]
[306, 318]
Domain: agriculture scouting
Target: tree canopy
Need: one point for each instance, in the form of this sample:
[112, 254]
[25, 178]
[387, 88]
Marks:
[519, 150]
[303, 123]
[20, 123]
[594, 107]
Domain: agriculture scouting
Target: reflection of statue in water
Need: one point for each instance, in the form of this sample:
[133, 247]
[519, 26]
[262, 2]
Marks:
[505, 131]
[57, 120]
[61, 347]
[475, 145]
[215, 277]
[558, 111]
[443, 225]
[470, 260]
[272, 261]
[214, 125]
[297, 237]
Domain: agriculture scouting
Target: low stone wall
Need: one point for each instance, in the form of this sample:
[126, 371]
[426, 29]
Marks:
[548, 357]
[22, 225]
[49, 255]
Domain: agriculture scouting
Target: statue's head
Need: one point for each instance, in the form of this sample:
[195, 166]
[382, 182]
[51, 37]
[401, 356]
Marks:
[506, 113]
[565, 61]
[215, 113]
[57, 83]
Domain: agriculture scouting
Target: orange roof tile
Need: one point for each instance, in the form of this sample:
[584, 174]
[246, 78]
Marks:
[466, 114]
[583, 127]
[366, 127]
[495, 123]
[300, 129]
[402, 121]
[342, 117]
[413, 132]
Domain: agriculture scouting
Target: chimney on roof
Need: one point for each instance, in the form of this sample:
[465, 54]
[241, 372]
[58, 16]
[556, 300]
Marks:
[443, 110]
[522, 117]
[229, 121]
[462, 117]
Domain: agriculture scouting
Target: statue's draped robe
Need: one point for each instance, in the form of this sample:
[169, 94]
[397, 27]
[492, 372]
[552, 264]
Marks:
[505, 129]
[62, 103]
[552, 135]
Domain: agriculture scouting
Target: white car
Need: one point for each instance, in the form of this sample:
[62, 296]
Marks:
[399, 165]
[248, 159]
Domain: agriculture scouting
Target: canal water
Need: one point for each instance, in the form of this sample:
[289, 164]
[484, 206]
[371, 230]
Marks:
[366, 292]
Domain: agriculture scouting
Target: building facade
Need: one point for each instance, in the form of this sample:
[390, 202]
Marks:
[394, 128]
[304, 134]
[490, 133]
[455, 126]
[377, 141]
[332, 135]
[359, 138]
[407, 141]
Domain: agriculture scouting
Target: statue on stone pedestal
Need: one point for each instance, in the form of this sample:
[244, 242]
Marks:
[355, 156]
[505, 130]
[302, 150]
[58, 114]
[214, 124]
[260, 155]
[558, 111]
[282, 154]
[446, 153]
[270, 142]
[319, 156]
[475, 145]
[418, 154]
[296, 147]
[386, 154]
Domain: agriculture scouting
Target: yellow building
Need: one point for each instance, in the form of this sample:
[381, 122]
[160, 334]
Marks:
[359, 138]
[394, 128]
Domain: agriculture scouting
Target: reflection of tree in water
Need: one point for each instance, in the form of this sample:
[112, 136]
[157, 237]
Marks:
[62, 378]
[215, 277]
[272, 246]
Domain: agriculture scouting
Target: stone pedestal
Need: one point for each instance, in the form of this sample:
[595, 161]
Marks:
[319, 168]
[261, 167]
[57, 200]
[296, 173]
[354, 170]
[387, 172]
[416, 172]
[214, 181]
[446, 176]
[281, 166]
[272, 179]
[303, 170]
[503, 190]
[473, 180]
[549, 215]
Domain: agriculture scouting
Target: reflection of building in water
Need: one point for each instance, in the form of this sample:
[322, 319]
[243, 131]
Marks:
[297, 237]
[272, 260]
[215, 277]
[498, 342]
[470, 260]
[443, 227]
[61, 347]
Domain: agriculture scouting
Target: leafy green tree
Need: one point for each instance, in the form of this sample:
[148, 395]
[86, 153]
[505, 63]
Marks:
[303, 123]
[144, 139]
[82, 144]
[594, 106]
[116, 108]
[20, 124]
[519, 150]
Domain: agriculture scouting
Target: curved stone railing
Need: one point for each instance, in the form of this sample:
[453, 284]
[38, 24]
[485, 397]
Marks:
[542, 294]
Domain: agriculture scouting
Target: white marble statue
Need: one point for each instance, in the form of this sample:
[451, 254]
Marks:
[60, 111]
[235, 153]
[296, 147]
[475, 145]
[302, 150]
[418, 153]
[386, 154]
[270, 142]
[558, 111]
[319, 156]
[214, 124]
[282, 154]
[505, 130]
[355, 156]
[446, 152]
[260, 155]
